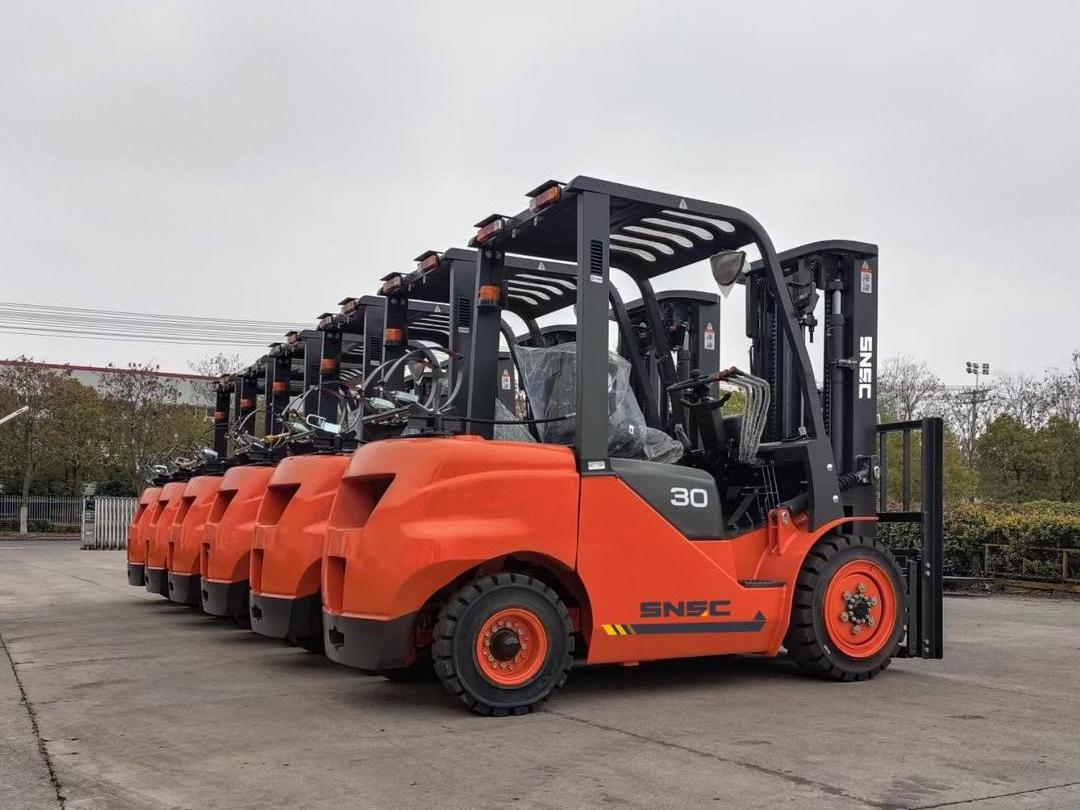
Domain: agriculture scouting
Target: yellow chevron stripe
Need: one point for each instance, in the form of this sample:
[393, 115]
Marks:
[610, 630]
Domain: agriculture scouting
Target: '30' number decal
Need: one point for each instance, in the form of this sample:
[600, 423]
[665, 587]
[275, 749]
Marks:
[681, 496]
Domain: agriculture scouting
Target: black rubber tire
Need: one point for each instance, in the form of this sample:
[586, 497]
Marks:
[461, 619]
[807, 640]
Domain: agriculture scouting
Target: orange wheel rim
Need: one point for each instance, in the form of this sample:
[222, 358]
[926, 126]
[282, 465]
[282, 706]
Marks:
[860, 608]
[511, 647]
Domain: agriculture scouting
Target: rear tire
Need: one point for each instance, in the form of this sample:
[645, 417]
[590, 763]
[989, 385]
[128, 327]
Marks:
[503, 644]
[849, 609]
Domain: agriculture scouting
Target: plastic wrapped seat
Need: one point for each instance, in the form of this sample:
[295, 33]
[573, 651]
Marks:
[549, 376]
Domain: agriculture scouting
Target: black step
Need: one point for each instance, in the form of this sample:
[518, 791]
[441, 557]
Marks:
[761, 583]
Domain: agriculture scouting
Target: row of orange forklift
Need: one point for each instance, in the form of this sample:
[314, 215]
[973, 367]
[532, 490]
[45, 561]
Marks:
[412, 487]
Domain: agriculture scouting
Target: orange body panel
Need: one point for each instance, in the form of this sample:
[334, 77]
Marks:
[446, 506]
[629, 555]
[412, 515]
[230, 528]
[140, 521]
[290, 531]
[185, 544]
[160, 529]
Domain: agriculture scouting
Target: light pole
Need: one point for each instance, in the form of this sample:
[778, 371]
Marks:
[979, 370]
[13, 414]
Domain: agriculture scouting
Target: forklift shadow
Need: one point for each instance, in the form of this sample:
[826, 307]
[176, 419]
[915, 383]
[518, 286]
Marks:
[427, 695]
[730, 670]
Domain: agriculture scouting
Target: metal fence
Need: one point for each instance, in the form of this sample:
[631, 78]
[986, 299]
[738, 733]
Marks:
[105, 522]
[1045, 564]
[55, 509]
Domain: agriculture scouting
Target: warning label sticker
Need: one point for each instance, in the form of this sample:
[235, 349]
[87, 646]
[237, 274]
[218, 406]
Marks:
[866, 279]
[506, 380]
[710, 337]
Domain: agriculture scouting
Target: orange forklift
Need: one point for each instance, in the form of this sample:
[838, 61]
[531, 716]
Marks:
[138, 535]
[226, 543]
[183, 558]
[533, 290]
[505, 562]
[159, 530]
[286, 548]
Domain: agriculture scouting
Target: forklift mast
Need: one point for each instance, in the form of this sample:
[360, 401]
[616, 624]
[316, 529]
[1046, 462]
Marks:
[223, 393]
[845, 273]
[247, 386]
[277, 384]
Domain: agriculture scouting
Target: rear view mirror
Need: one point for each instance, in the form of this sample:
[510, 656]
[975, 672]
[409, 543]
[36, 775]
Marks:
[727, 267]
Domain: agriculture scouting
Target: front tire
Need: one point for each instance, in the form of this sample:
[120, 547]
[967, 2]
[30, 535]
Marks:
[849, 609]
[503, 644]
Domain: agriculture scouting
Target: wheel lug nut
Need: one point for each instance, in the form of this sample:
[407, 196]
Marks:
[844, 616]
[856, 629]
[873, 601]
[862, 587]
[870, 621]
[847, 595]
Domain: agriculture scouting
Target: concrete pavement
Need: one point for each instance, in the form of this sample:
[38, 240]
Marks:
[137, 703]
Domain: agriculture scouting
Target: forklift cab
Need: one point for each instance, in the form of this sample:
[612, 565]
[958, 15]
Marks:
[533, 289]
[448, 279]
[356, 341]
[646, 234]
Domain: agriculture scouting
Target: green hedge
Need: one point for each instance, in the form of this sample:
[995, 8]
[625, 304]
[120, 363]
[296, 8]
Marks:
[38, 525]
[1021, 527]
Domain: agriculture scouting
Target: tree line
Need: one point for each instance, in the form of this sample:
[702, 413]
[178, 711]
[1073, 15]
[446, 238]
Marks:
[73, 435]
[1020, 441]
[1014, 440]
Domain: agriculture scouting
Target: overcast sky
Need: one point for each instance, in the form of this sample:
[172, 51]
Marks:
[266, 159]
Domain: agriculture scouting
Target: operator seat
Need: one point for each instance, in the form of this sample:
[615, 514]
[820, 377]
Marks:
[550, 378]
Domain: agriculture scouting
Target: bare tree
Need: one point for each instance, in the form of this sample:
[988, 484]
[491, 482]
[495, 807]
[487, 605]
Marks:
[212, 367]
[908, 388]
[1023, 397]
[967, 413]
[1063, 390]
